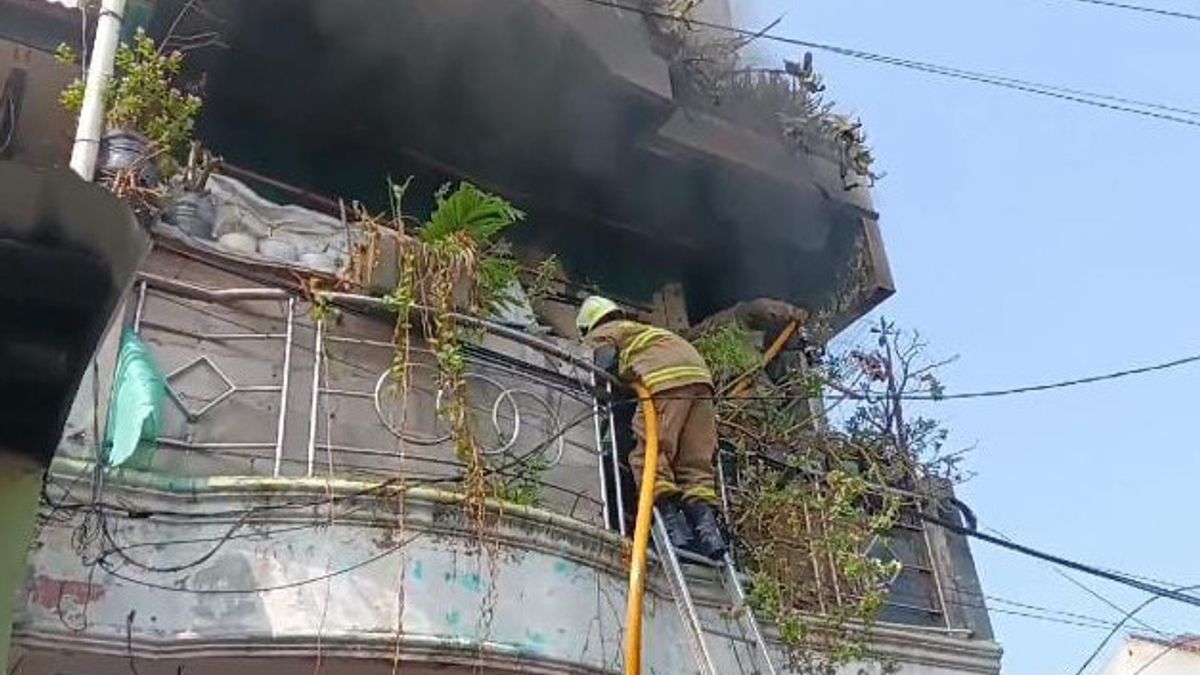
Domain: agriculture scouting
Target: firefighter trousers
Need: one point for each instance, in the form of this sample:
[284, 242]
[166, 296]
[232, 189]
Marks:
[687, 441]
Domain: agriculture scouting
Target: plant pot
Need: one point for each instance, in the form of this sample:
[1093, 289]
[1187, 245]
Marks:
[123, 149]
[194, 213]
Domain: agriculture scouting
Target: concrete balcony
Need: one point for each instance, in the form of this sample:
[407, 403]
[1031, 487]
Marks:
[297, 515]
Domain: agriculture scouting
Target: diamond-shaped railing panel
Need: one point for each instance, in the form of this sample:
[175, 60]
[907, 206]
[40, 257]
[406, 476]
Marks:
[198, 386]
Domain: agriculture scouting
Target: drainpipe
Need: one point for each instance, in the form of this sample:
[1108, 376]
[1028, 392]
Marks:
[91, 115]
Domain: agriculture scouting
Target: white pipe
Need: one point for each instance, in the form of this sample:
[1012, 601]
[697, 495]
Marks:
[91, 115]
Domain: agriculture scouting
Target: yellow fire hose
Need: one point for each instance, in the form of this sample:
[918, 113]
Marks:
[743, 381]
[641, 530]
[641, 537]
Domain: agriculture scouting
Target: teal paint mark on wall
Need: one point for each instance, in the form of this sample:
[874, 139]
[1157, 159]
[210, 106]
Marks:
[418, 571]
[473, 583]
[569, 571]
[454, 619]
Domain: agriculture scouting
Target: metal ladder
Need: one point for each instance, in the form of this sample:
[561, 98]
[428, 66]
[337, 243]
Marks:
[670, 560]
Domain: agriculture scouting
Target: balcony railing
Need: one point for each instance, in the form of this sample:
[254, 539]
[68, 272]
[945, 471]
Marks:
[260, 386]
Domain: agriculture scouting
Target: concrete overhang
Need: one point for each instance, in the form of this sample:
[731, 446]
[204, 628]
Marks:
[68, 251]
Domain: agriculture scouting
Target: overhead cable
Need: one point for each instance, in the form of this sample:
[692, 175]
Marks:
[1091, 379]
[1176, 594]
[1149, 109]
[1140, 8]
[1128, 616]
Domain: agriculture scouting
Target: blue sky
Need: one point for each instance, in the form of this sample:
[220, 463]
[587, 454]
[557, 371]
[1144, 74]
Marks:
[1043, 240]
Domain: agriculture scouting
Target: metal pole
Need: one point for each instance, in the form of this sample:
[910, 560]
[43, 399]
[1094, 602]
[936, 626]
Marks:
[318, 347]
[140, 308]
[600, 457]
[283, 386]
[937, 577]
[616, 462]
[91, 114]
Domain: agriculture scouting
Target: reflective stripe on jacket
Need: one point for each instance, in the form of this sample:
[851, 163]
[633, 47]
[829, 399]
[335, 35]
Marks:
[655, 356]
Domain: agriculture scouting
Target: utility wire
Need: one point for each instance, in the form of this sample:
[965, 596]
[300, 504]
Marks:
[1149, 109]
[259, 589]
[1177, 594]
[1041, 609]
[1092, 592]
[1128, 616]
[1046, 386]
[1140, 8]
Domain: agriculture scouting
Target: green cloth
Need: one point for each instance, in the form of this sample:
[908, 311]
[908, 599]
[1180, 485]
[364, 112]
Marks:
[135, 409]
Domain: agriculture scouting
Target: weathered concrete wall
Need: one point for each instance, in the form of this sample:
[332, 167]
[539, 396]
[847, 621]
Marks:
[210, 559]
[365, 578]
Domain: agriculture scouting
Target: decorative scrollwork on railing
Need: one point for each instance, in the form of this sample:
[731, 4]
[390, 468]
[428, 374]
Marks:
[506, 438]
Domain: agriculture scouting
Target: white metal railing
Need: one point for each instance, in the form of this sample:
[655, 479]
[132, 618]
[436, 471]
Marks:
[336, 410]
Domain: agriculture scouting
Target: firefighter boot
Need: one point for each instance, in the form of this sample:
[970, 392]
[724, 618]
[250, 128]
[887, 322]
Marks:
[710, 534]
[678, 530]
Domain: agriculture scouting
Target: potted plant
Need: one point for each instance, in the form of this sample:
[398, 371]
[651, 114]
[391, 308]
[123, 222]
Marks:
[191, 207]
[149, 120]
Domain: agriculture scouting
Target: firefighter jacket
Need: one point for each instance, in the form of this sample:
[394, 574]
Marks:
[656, 357]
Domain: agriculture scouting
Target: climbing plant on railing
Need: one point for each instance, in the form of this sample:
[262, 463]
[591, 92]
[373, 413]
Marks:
[454, 262]
[817, 484]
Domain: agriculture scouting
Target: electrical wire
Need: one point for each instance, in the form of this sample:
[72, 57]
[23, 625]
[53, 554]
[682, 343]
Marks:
[1148, 109]
[1177, 594]
[262, 589]
[567, 385]
[1120, 624]
[1062, 384]
[1139, 8]
[1092, 592]
[1101, 621]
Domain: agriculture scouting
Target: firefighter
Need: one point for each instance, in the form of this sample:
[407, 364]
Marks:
[682, 388]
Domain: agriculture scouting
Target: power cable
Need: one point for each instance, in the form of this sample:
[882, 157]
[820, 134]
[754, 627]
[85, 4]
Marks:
[1149, 109]
[1176, 594]
[1092, 592]
[1101, 621]
[987, 393]
[1128, 616]
[1091, 379]
[260, 589]
[1139, 8]
[1179, 594]
[564, 384]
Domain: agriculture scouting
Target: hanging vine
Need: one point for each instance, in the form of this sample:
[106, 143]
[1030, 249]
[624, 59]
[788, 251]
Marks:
[818, 485]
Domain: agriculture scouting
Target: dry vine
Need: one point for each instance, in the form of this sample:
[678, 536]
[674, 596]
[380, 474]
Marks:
[812, 503]
[454, 262]
[788, 101]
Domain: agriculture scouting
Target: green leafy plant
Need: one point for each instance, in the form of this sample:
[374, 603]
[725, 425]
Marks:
[469, 211]
[141, 96]
[818, 495]
[727, 350]
[455, 262]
